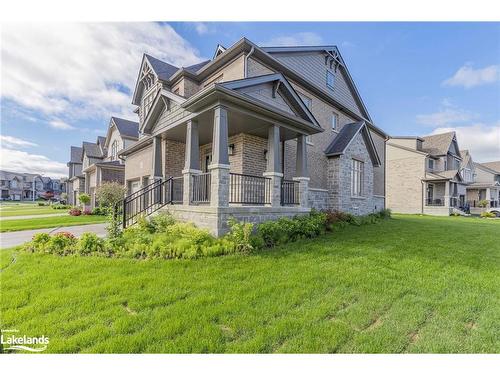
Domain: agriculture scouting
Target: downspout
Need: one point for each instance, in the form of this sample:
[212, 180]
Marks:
[422, 198]
[246, 62]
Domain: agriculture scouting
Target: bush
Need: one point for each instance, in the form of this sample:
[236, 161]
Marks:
[240, 236]
[488, 214]
[84, 199]
[42, 204]
[87, 211]
[38, 243]
[62, 244]
[61, 206]
[99, 211]
[110, 193]
[75, 211]
[90, 244]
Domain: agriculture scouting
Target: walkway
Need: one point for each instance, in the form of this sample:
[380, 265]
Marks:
[11, 239]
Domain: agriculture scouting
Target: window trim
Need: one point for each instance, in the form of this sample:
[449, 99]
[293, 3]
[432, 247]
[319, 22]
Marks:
[336, 116]
[357, 178]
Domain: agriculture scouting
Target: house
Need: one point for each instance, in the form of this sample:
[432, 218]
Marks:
[100, 162]
[21, 186]
[426, 174]
[486, 186]
[255, 133]
[76, 180]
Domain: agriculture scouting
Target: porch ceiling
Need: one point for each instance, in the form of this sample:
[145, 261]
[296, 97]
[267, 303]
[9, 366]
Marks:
[238, 122]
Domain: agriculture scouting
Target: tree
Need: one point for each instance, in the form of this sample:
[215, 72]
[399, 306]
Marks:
[109, 194]
[84, 199]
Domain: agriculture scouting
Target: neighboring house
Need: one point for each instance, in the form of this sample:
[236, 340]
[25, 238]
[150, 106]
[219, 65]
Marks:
[76, 180]
[100, 162]
[256, 133]
[426, 175]
[485, 187]
[21, 186]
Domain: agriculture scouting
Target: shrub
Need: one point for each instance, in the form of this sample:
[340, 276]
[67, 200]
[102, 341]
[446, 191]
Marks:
[240, 236]
[38, 243]
[483, 203]
[87, 211]
[385, 213]
[89, 244]
[75, 211]
[334, 216]
[488, 214]
[110, 193]
[61, 206]
[84, 199]
[42, 204]
[99, 211]
[161, 221]
[64, 197]
[62, 244]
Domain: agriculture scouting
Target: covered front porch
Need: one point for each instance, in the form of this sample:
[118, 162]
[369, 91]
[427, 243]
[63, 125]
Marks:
[226, 160]
[443, 196]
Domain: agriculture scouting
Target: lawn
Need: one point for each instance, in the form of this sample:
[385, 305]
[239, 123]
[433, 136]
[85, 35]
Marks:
[21, 209]
[49, 222]
[409, 284]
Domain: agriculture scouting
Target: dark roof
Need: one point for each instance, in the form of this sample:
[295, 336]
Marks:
[345, 136]
[76, 154]
[92, 150]
[438, 144]
[162, 69]
[126, 128]
[194, 68]
[101, 140]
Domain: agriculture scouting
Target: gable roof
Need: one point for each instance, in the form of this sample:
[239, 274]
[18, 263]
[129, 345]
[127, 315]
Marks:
[345, 137]
[76, 155]
[281, 84]
[466, 158]
[126, 128]
[494, 165]
[162, 69]
[484, 167]
[194, 68]
[92, 150]
[438, 144]
[444, 175]
[335, 53]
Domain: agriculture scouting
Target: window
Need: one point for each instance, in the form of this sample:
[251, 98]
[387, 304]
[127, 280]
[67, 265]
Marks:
[330, 79]
[13, 184]
[431, 164]
[335, 121]
[114, 150]
[357, 177]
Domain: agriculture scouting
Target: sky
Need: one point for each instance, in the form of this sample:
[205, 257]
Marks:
[60, 83]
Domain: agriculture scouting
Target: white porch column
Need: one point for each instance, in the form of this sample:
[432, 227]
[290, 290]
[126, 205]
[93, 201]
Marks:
[273, 170]
[157, 158]
[301, 171]
[191, 160]
[447, 194]
[219, 168]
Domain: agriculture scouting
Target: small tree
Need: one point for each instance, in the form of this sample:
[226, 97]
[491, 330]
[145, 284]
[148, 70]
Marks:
[84, 199]
[64, 197]
[109, 194]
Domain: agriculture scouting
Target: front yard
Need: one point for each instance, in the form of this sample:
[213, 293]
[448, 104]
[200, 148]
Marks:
[409, 284]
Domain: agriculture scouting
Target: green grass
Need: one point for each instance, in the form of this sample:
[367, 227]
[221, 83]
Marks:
[21, 209]
[409, 284]
[49, 222]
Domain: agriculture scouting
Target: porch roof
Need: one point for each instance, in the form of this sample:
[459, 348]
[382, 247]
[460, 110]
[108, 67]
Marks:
[443, 176]
[484, 185]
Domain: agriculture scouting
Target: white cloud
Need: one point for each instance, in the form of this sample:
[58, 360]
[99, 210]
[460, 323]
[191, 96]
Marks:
[21, 161]
[469, 77]
[203, 28]
[71, 71]
[298, 39]
[447, 114]
[13, 142]
[482, 140]
[58, 124]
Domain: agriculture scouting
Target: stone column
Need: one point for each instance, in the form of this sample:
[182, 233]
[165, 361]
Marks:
[219, 168]
[447, 194]
[191, 159]
[273, 170]
[301, 171]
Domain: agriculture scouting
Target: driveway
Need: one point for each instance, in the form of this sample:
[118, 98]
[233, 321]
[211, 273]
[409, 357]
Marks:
[11, 239]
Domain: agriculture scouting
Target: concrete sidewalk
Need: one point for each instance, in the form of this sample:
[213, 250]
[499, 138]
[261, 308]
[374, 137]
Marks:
[11, 239]
[33, 216]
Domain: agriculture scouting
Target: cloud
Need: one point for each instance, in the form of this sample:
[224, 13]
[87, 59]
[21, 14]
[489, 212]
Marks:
[447, 114]
[13, 142]
[297, 39]
[203, 28]
[482, 140]
[21, 161]
[68, 71]
[469, 77]
[58, 124]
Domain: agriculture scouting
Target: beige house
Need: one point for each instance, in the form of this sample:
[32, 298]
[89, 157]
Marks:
[100, 162]
[256, 133]
[76, 179]
[426, 175]
[486, 186]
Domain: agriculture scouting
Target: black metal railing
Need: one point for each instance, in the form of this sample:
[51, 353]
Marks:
[289, 192]
[434, 202]
[149, 199]
[454, 202]
[201, 188]
[247, 189]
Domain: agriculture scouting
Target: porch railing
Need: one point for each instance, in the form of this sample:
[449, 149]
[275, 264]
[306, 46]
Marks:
[247, 189]
[177, 189]
[434, 202]
[201, 188]
[289, 192]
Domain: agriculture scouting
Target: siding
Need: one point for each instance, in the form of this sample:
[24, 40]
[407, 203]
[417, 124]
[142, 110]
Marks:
[264, 93]
[139, 164]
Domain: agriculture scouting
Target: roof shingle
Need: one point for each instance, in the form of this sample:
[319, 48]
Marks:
[438, 144]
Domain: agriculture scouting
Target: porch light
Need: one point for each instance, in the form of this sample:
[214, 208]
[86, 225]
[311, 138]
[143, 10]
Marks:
[230, 149]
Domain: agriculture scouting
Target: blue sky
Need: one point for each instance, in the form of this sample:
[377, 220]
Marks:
[415, 78]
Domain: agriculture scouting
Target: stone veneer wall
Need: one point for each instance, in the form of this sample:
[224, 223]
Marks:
[318, 199]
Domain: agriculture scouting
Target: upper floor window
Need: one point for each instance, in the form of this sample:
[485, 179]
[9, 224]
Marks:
[431, 164]
[114, 150]
[330, 79]
[357, 178]
[13, 183]
[335, 121]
